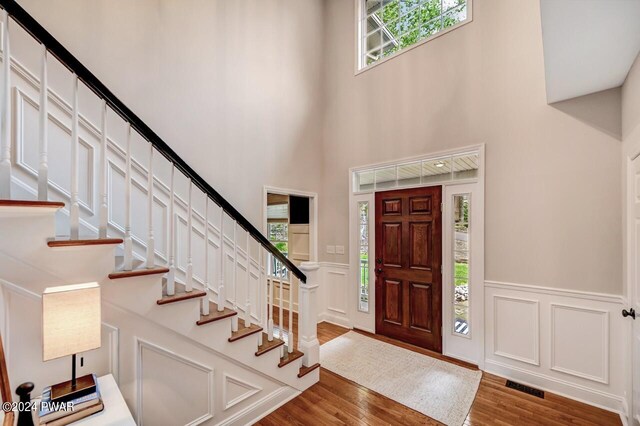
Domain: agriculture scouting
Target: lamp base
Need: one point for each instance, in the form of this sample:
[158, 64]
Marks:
[66, 391]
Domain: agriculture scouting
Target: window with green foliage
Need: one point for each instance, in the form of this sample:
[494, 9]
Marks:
[363, 223]
[388, 26]
[461, 257]
[279, 236]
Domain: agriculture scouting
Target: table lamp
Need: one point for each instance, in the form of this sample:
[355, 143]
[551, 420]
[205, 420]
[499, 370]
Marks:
[71, 323]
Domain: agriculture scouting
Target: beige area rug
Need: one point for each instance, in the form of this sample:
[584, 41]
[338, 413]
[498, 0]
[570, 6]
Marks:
[438, 389]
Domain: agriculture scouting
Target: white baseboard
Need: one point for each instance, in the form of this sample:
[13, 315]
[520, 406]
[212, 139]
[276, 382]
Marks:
[589, 396]
[262, 407]
[333, 319]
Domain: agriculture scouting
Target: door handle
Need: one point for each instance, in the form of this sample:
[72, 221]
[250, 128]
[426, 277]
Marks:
[379, 270]
[630, 313]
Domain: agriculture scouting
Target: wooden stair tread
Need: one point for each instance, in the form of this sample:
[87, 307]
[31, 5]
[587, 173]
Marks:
[214, 315]
[306, 370]
[31, 203]
[267, 345]
[180, 294]
[243, 331]
[290, 357]
[138, 272]
[66, 242]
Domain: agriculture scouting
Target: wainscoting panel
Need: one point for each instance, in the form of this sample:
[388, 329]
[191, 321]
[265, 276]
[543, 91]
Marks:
[516, 329]
[588, 329]
[191, 389]
[235, 390]
[333, 296]
[567, 342]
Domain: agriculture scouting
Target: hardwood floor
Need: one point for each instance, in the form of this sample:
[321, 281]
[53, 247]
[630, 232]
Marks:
[335, 400]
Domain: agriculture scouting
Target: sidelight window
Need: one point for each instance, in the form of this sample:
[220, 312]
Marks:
[461, 263]
[363, 271]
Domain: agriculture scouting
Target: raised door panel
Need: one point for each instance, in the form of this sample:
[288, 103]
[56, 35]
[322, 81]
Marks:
[421, 300]
[420, 245]
[420, 205]
[392, 207]
[393, 301]
[392, 244]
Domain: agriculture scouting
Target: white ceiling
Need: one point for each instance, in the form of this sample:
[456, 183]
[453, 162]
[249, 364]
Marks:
[589, 45]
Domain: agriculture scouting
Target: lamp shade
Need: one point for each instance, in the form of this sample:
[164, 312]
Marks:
[71, 321]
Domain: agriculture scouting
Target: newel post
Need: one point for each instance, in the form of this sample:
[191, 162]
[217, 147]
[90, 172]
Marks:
[308, 314]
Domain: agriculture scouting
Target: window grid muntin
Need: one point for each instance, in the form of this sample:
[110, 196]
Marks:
[366, 58]
[464, 306]
[365, 180]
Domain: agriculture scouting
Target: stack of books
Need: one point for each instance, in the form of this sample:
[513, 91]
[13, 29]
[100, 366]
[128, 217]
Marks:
[61, 414]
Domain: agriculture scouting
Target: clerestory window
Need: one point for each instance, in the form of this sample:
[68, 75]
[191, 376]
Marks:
[389, 26]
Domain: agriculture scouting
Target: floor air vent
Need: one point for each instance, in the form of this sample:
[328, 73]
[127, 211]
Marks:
[525, 389]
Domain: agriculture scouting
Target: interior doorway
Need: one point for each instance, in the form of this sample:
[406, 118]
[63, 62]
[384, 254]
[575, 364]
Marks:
[408, 266]
[289, 224]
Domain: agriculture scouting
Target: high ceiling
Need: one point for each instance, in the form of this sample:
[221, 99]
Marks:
[589, 45]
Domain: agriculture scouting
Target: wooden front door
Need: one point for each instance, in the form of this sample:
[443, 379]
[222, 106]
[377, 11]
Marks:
[408, 266]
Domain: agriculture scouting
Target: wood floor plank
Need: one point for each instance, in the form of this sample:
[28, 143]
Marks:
[335, 400]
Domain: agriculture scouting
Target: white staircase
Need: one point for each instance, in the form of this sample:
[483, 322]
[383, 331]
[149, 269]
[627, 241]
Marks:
[188, 313]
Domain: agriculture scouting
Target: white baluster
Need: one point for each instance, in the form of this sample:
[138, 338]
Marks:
[205, 300]
[247, 312]
[43, 167]
[128, 242]
[262, 288]
[5, 131]
[271, 292]
[104, 211]
[74, 209]
[234, 319]
[151, 243]
[171, 276]
[189, 283]
[280, 296]
[221, 296]
[290, 347]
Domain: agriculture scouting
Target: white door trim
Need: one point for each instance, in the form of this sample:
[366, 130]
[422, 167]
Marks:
[478, 305]
[313, 214]
[629, 274]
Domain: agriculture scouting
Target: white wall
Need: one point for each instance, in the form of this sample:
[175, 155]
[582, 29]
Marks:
[553, 195]
[631, 107]
[553, 191]
[232, 86]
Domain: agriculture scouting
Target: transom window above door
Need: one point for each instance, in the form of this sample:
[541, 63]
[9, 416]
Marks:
[418, 172]
[387, 27]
